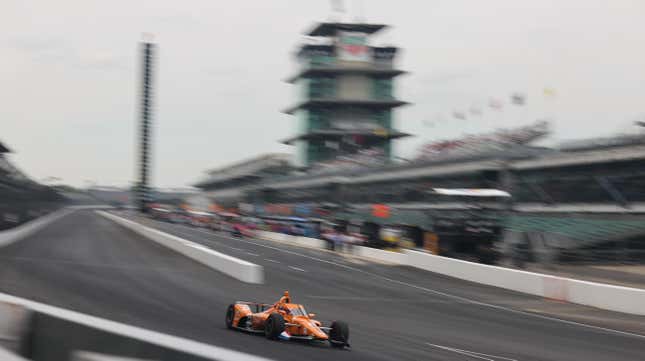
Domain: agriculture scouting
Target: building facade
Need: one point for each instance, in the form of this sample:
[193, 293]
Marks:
[346, 90]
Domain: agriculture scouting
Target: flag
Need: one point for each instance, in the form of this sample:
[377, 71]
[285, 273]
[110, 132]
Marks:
[549, 93]
[459, 115]
[380, 211]
[495, 104]
[475, 111]
[518, 99]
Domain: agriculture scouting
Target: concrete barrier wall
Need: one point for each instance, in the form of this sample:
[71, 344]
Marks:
[297, 240]
[380, 255]
[14, 234]
[234, 267]
[310, 242]
[14, 322]
[521, 281]
[24, 230]
[91, 206]
[55, 333]
[273, 236]
[608, 297]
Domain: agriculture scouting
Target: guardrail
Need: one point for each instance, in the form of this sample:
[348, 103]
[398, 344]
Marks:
[600, 295]
[234, 267]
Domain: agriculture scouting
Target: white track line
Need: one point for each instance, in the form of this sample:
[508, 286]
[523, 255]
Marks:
[474, 354]
[271, 260]
[429, 290]
[297, 269]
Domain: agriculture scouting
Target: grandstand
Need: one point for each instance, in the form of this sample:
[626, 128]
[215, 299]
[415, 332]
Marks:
[247, 171]
[575, 196]
[21, 198]
[575, 229]
[500, 140]
[225, 183]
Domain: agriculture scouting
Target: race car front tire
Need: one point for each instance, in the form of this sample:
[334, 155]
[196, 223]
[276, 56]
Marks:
[230, 314]
[274, 326]
[339, 334]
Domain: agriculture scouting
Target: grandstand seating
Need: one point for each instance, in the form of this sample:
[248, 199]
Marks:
[631, 186]
[498, 141]
[582, 230]
[22, 199]
[581, 183]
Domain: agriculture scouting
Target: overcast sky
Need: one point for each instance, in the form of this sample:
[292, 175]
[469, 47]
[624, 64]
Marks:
[68, 75]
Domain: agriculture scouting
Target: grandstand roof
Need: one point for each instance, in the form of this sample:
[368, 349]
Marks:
[330, 29]
[369, 103]
[337, 133]
[247, 168]
[559, 159]
[325, 70]
[381, 174]
[600, 143]
[580, 208]
[261, 160]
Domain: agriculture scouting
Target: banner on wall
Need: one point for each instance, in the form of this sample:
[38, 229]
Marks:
[355, 124]
[381, 211]
[278, 209]
[352, 46]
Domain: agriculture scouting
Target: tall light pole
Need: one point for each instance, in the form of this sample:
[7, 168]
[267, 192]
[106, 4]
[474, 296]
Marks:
[143, 186]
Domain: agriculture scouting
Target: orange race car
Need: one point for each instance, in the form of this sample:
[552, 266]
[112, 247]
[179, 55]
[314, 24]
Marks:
[284, 320]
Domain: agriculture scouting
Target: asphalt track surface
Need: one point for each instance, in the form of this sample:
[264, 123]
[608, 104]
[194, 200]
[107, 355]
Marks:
[89, 264]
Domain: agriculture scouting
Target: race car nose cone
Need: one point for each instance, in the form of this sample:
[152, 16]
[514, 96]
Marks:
[315, 331]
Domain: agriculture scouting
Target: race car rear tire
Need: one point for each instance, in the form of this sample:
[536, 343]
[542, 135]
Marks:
[230, 314]
[274, 326]
[339, 334]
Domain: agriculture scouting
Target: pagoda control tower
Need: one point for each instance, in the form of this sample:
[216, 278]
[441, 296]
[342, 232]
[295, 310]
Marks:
[346, 94]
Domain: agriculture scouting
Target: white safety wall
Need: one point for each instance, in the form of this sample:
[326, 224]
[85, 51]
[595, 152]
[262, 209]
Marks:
[604, 296]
